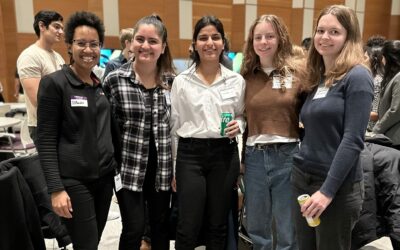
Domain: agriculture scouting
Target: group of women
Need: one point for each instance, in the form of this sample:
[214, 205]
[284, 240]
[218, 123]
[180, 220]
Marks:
[150, 136]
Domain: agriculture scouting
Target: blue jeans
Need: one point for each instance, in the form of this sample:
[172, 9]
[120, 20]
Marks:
[268, 195]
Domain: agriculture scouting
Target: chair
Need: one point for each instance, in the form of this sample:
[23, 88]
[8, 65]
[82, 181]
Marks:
[4, 108]
[17, 144]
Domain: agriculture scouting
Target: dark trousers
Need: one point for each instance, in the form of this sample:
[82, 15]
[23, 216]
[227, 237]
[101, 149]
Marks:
[206, 173]
[338, 219]
[132, 206]
[90, 204]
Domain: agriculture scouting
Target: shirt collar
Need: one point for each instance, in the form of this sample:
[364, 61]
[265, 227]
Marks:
[73, 78]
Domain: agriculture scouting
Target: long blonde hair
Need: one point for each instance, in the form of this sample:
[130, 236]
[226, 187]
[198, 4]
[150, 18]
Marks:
[351, 54]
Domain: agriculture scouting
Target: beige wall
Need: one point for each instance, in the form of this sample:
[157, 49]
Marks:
[16, 18]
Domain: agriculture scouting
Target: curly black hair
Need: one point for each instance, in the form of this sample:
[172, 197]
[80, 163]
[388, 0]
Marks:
[83, 18]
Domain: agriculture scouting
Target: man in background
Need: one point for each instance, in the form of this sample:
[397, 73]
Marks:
[125, 38]
[39, 59]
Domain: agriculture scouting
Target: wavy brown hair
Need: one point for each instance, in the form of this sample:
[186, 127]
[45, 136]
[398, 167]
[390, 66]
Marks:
[284, 61]
[351, 54]
[251, 61]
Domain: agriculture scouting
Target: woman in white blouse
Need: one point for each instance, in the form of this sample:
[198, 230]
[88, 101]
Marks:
[207, 163]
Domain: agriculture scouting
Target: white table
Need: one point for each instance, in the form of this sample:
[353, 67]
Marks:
[6, 122]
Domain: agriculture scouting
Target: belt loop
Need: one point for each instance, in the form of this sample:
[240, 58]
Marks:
[276, 147]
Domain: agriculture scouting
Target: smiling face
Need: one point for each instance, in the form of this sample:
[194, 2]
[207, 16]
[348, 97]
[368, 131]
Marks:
[330, 37]
[147, 45]
[265, 43]
[209, 44]
[85, 48]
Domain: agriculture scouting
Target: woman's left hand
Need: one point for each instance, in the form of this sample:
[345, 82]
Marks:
[232, 129]
[317, 204]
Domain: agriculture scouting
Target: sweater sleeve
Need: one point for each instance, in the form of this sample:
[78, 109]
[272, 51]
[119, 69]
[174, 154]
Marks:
[358, 99]
[392, 115]
[48, 128]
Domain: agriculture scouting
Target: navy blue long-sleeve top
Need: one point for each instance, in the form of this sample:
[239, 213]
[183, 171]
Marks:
[334, 130]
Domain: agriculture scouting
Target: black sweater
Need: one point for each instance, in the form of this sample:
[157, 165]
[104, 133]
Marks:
[74, 129]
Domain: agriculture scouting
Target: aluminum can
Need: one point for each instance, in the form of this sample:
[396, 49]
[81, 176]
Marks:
[226, 117]
[312, 222]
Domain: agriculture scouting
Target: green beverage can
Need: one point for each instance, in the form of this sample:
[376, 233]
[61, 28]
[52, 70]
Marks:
[226, 117]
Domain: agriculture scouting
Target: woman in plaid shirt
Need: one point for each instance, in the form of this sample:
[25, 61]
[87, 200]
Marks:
[139, 93]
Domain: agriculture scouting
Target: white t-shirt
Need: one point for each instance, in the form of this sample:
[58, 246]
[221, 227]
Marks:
[35, 62]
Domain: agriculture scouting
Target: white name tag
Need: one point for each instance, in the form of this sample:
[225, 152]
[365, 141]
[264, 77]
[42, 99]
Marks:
[321, 92]
[79, 101]
[168, 98]
[276, 82]
[227, 93]
[118, 182]
[288, 82]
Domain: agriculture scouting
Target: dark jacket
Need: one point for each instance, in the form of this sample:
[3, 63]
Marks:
[382, 217]
[19, 220]
[51, 224]
[74, 129]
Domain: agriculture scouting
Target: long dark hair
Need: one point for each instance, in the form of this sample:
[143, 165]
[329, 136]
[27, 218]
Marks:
[203, 22]
[391, 53]
[375, 59]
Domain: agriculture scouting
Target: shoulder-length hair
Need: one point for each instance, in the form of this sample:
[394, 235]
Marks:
[350, 55]
[251, 60]
[391, 53]
[164, 62]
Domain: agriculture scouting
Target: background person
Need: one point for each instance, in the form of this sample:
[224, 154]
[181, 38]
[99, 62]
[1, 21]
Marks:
[125, 39]
[389, 105]
[207, 164]
[75, 140]
[335, 116]
[139, 93]
[39, 59]
[273, 102]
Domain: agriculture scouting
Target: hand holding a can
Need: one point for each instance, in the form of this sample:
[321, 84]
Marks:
[232, 129]
[315, 205]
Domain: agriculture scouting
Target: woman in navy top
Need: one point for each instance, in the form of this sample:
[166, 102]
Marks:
[335, 116]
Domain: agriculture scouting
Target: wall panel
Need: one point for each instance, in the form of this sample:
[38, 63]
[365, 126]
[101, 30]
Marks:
[394, 30]
[378, 13]
[8, 29]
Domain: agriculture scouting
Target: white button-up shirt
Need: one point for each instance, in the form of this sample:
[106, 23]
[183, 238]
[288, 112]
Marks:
[196, 107]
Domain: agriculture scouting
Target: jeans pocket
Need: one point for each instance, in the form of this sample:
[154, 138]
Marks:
[289, 149]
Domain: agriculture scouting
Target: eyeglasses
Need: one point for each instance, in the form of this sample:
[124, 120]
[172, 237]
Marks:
[83, 44]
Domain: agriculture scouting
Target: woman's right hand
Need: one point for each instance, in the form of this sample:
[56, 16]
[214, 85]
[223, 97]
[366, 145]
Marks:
[173, 184]
[61, 204]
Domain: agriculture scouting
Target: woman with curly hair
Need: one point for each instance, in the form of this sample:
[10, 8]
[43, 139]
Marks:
[75, 141]
[273, 101]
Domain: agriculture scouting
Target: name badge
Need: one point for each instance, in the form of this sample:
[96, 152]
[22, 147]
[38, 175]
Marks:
[117, 182]
[79, 101]
[321, 92]
[288, 82]
[168, 98]
[276, 82]
[227, 93]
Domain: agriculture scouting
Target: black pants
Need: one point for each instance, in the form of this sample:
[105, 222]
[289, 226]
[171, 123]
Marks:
[90, 204]
[206, 173]
[132, 206]
[338, 219]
